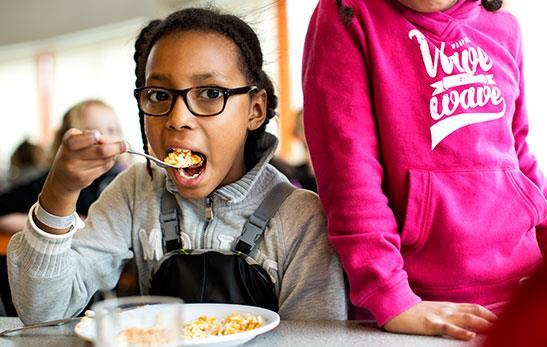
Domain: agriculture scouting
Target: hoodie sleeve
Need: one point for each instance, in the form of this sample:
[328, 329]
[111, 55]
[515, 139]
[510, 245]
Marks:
[339, 119]
[55, 276]
[527, 161]
[312, 285]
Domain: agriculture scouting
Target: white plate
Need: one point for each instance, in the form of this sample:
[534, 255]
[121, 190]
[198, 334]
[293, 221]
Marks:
[85, 329]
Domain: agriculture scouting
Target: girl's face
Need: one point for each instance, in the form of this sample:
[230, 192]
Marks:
[197, 59]
[428, 5]
[103, 119]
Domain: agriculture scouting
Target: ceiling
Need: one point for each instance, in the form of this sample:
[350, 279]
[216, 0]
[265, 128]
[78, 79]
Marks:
[31, 20]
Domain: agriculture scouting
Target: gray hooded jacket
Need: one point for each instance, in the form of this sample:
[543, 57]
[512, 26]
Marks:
[54, 276]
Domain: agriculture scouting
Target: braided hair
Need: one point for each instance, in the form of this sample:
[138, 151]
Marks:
[211, 21]
[346, 12]
[492, 5]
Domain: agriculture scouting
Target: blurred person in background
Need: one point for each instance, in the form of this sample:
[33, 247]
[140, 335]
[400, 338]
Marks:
[300, 175]
[16, 202]
[26, 163]
[86, 115]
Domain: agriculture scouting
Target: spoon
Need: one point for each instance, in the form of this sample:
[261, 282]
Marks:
[51, 323]
[41, 325]
[156, 161]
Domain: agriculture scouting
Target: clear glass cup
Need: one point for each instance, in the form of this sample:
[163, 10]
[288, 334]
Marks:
[138, 321]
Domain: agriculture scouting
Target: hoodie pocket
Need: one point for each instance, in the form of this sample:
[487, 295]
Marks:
[530, 194]
[417, 209]
[465, 228]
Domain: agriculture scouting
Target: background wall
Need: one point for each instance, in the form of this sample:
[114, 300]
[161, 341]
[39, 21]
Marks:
[85, 50]
[531, 15]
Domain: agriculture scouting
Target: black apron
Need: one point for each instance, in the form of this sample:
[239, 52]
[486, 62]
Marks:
[215, 276]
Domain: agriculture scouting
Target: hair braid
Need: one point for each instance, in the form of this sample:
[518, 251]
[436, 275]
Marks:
[492, 5]
[252, 61]
[140, 63]
[346, 12]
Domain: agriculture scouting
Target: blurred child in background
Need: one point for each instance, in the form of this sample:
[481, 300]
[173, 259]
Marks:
[86, 115]
[27, 162]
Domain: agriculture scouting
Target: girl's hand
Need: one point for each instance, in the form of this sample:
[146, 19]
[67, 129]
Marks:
[460, 321]
[82, 157]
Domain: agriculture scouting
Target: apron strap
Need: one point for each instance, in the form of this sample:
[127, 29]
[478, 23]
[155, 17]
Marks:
[257, 223]
[252, 229]
[169, 220]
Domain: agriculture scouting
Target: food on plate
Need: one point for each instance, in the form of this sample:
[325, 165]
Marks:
[200, 328]
[145, 337]
[205, 326]
[201, 325]
[183, 158]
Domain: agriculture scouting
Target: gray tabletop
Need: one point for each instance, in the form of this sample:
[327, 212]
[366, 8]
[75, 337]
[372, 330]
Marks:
[288, 333]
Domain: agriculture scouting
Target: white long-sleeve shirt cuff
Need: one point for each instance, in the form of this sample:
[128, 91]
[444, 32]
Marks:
[47, 243]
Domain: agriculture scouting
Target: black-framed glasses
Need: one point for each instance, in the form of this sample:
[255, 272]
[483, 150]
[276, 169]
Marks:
[201, 101]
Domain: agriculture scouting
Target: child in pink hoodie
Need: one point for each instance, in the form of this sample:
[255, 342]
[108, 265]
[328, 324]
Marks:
[416, 123]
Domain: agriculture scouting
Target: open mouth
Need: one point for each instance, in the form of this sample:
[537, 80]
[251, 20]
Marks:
[190, 164]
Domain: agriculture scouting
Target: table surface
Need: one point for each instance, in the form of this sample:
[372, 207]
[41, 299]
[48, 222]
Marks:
[288, 333]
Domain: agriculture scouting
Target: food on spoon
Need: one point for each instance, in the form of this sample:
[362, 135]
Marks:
[183, 158]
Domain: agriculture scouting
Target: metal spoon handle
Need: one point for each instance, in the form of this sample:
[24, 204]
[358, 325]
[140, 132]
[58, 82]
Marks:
[154, 159]
[51, 323]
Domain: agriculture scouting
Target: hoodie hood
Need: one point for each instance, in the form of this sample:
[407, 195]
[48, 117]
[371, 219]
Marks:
[441, 24]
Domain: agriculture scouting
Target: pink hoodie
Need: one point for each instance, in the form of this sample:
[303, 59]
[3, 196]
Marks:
[417, 129]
